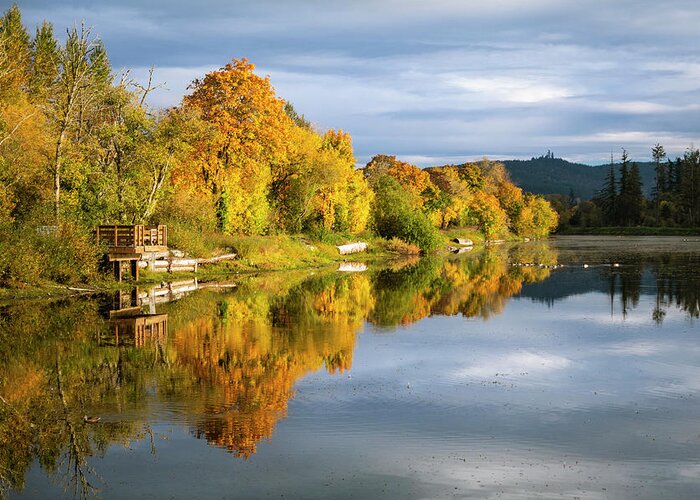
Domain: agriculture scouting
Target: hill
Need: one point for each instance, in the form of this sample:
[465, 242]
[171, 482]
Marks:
[549, 175]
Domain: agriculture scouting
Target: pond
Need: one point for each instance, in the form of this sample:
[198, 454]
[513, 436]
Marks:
[569, 367]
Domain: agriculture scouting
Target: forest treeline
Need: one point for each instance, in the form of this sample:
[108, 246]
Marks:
[79, 146]
[674, 200]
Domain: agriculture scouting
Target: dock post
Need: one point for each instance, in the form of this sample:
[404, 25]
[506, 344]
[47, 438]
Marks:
[134, 268]
[117, 270]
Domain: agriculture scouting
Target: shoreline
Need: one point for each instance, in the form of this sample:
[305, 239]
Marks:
[630, 231]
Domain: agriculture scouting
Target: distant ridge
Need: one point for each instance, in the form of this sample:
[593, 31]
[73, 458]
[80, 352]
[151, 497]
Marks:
[549, 175]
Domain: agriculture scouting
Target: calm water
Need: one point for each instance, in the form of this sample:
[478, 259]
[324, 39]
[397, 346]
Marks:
[569, 369]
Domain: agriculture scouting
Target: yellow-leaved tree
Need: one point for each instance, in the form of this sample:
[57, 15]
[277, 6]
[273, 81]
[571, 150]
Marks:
[319, 187]
[344, 203]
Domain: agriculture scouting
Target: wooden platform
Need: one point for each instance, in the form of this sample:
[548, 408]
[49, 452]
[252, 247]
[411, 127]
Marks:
[137, 330]
[128, 243]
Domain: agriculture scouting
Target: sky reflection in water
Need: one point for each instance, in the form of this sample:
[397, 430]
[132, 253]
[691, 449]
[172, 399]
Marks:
[467, 376]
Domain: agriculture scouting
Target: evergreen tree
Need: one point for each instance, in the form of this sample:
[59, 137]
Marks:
[299, 120]
[661, 181]
[623, 206]
[45, 65]
[572, 198]
[608, 196]
[635, 196]
[15, 53]
[689, 187]
[677, 176]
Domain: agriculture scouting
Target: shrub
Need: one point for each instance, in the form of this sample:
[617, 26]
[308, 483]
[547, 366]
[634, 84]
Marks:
[394, 216]
[66, 254]
[198, 243]
[397, 245]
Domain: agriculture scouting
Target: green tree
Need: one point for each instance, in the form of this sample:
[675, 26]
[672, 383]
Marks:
[45, 64]
[394, 216]
[661, 179]
[630, 199]
[608, 196]
[81, 59]
[624, 202]
[635, 196]
[299, 120]
[15, 53]
[689, 187]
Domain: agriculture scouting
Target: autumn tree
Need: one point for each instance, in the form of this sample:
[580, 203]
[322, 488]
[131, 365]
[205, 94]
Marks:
[344, 204]
[318, 186]
[415, 180]
[15, 53]
[22, 123]
[446, 204]
[45, 63]
[536, 219]
[253, 134]
[485, 212]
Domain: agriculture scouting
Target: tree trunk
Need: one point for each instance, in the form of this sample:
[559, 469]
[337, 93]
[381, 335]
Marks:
[57, 173]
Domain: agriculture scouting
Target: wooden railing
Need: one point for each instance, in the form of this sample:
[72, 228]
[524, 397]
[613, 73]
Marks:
[132, 236]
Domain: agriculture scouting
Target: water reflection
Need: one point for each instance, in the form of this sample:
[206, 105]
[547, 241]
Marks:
[225, 361]
[625, 274]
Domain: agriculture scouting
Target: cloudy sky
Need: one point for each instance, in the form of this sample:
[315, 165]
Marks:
[433, 81]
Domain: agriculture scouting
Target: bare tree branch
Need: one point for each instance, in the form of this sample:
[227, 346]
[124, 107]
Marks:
[16, 127]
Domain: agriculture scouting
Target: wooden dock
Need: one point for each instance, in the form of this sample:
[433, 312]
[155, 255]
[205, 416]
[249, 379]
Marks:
[129, 243]
[137, 330]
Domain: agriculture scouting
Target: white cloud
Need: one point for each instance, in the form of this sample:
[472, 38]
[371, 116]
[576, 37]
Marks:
[515, 364]
[639, 107]
[638, 348]
[509, 89]
[674, 141]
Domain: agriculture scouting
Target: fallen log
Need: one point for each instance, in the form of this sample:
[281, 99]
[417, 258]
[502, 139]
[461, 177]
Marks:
[352, 267]
[183, 262]
[182, 269]
[462, 250]
[154, 256]
[211, 260]
[463, 241]
[360, 246]
[180, 265]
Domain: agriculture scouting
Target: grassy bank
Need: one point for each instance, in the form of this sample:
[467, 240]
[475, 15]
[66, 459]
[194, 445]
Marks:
[255, 254]
[630, 231]
[294, 252]
[278, 253]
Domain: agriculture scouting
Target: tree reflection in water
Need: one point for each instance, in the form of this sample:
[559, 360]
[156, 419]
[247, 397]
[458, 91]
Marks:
[674, 277]
[229, 360]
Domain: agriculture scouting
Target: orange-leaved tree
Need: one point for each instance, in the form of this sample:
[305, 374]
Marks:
[413, 179]
[253, 136]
